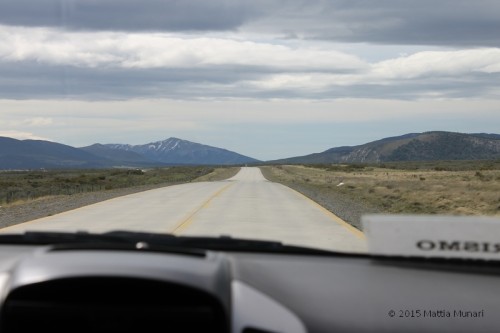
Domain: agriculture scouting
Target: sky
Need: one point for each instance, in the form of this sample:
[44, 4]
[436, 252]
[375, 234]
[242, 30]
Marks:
[265, 78]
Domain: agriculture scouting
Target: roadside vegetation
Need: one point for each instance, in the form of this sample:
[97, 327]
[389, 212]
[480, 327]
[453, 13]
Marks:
[29, 195]
[219, 174]
[445, 187]
[21, 186]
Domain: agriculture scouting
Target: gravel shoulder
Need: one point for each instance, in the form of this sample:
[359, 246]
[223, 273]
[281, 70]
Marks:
[47, 206]
[347, 208]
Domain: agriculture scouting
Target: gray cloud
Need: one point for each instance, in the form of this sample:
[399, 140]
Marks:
[158, 15]
[427, 22]
[37, 81]
[423, 22]
[444, 22]
[29, 80]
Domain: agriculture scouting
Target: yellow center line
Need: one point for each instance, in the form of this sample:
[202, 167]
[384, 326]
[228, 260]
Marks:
[358, 233]
[188, 220]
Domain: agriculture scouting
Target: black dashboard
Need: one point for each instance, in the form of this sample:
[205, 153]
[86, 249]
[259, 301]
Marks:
[76, 290]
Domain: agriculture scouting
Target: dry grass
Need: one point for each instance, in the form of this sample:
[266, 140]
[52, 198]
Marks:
[18, 187]
[471, 192]
[219, 174]
[27, 209]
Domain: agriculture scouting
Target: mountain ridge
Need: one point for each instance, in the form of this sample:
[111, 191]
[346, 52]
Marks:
[117, 156]
[426, 146]
[175, 150]
[38, 154]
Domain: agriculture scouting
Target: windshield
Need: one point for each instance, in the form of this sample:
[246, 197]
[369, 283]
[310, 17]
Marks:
[271, 120]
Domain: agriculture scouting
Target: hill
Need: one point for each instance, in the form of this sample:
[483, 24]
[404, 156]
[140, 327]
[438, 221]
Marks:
[36, 154]
[428, 146]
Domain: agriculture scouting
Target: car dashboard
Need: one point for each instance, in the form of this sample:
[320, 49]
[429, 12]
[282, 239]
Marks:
[68, 289]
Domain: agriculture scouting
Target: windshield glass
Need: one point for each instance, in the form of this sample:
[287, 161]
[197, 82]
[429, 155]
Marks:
[269, 120]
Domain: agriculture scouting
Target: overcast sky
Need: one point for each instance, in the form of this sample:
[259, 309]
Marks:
[265, 78]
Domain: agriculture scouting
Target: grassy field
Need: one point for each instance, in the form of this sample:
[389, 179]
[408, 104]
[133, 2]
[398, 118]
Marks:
[457, 188]
[21, 186]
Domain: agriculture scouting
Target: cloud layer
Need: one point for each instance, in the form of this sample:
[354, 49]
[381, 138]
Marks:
[423, 22]
[46, 61]
[146, 51]
[128, 15]
[108, 49]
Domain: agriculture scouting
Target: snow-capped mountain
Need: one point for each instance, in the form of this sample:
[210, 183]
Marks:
[178, 151]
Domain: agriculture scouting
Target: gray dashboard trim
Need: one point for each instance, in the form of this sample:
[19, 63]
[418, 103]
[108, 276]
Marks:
[252, 308]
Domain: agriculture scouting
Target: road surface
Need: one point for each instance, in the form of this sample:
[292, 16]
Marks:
[246, 206]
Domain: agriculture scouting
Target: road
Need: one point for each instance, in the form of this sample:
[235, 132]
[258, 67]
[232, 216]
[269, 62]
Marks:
[246, 206]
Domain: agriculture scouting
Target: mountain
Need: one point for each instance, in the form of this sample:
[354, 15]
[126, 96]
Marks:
[177, 151]
[35, 154]
[118, 156]
[428, 146]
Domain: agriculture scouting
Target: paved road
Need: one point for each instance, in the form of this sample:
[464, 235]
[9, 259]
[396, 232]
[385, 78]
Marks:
[246, 205]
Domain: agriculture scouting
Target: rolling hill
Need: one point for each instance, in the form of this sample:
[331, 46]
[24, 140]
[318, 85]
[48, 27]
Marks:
[428, 146]
[36, 154]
